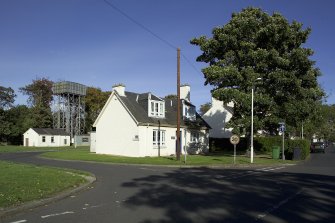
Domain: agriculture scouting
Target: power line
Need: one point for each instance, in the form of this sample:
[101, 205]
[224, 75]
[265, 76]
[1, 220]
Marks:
[150, 31]
[139, 24]
[191, 64]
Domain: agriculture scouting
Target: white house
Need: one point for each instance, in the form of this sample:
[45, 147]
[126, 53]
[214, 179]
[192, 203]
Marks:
[217, 117]
[44, 137]
[138, 125]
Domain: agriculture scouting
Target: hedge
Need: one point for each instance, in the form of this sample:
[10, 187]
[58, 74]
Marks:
[263, 145]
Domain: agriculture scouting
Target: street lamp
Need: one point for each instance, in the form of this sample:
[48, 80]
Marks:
[252, 122]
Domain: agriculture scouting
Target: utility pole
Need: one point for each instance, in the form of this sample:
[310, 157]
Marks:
[178, 105]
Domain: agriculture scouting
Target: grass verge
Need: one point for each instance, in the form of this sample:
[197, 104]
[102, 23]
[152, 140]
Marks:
[196, 160]
[12, 149]
[20, 183]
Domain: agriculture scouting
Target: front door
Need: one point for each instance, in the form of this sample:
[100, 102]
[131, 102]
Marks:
[27, 141]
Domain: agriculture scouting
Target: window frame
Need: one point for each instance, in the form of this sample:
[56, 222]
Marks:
[43, 138]
[158, 137]
[194, 137]
[156, 109]
[52, 139]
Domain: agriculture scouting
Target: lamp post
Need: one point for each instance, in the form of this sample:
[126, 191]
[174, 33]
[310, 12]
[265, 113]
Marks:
[252, 122]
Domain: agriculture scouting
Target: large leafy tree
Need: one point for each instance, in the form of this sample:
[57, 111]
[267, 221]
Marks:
[40, 97]
[255, 45]
[39, 92]
[95, 99]
[7, 97]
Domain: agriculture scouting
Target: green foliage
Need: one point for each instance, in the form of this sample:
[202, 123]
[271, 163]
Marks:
[95, 100]
[254, 44]
[7, 97]
[265, 144]
[39, 92]
[302, 144]
[171, 96]
[204, 108]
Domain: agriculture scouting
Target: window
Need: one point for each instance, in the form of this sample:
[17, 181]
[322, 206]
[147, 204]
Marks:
[84, 139]
[65, 141]
[43, 138]
[156, 109]
[52, 139]
[189, 112]
[158, 137]
[194, 136]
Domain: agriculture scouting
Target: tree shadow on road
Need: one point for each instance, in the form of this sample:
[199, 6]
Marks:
[192, 195]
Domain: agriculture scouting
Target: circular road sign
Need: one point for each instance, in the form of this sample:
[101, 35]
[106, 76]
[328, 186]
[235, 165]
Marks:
[234, 139]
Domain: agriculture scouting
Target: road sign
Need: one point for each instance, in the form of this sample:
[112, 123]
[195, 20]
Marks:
[234, 139]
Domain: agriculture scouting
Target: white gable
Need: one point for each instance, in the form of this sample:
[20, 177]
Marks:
[217, 117]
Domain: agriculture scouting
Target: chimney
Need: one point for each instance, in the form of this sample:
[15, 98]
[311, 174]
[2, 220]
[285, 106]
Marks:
[185, 92]
[120, 89]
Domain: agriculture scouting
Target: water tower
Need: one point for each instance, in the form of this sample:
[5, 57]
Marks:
[69, 107]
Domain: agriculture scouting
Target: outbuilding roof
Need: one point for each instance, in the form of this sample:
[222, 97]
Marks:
[49, 131]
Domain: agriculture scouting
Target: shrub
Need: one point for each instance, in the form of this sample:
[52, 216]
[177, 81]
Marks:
[303, 144]
[265, 144]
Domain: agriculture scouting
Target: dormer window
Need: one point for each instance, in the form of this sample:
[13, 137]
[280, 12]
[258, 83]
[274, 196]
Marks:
[156, 109]
[189, 112]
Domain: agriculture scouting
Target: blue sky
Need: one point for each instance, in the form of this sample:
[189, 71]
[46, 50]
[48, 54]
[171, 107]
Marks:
[88, 42]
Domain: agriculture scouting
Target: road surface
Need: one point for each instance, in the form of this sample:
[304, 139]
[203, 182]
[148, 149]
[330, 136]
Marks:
[150, 194]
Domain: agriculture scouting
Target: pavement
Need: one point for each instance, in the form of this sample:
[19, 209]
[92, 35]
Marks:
[155, 194]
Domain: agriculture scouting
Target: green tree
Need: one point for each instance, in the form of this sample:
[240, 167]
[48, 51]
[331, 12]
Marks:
[253, 45]
[95, 99]
[7, 97]
[39, 98]
[204, 108]
[20, 117]
[39, 92]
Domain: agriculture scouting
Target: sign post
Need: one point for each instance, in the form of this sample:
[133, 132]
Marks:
[234, 139]
[282, 130]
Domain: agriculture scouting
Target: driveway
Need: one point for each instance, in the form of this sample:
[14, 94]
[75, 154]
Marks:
[301, 193]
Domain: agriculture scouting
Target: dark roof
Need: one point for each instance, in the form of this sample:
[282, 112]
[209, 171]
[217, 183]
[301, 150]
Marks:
[49, 131]
[137, 105]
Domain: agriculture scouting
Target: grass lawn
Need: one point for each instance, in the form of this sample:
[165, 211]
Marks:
[212, 159]
[11, 149]
[20, 183]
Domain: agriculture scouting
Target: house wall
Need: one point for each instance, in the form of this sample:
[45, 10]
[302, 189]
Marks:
[32, 137]
[116, 131]
[148, 149]
[217, 117]
[93, 142]
[35, 139]
[146, 141]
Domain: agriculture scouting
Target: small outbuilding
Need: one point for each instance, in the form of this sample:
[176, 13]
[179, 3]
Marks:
[45, 137]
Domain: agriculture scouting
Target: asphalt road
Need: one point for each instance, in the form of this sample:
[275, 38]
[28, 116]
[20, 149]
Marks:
[300, 193]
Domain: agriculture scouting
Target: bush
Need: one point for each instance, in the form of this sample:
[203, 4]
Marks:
[303, 144]
[223, 144]
[265, 144]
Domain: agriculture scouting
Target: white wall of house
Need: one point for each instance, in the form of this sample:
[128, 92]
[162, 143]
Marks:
[148, 148]
[93, 142]
[116, 130]
[217, 117]
[32, 138]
